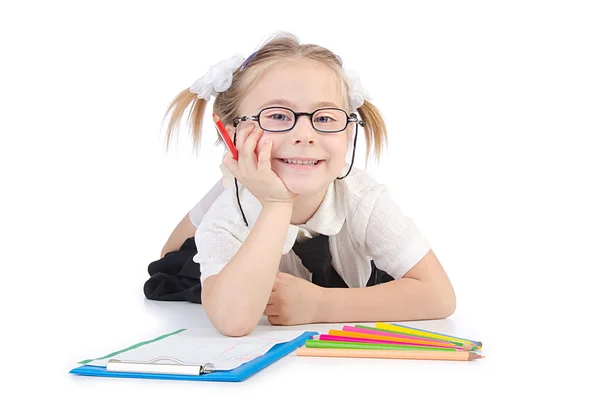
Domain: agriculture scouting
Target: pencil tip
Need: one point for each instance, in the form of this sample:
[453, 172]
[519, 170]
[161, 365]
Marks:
[215, 118]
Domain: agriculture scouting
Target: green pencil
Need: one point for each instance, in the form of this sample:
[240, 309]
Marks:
[323, 344]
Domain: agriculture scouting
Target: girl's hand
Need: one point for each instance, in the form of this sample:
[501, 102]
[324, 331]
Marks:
[254, 171]
[293, 301]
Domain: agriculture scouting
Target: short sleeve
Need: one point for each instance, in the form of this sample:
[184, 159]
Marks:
[200, 209]
[392, 238]
[196, 214]
[217, 242]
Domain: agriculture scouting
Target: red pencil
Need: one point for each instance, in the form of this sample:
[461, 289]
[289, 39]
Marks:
[223, 132]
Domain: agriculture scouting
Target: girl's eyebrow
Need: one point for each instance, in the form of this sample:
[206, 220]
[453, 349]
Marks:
[289, 104]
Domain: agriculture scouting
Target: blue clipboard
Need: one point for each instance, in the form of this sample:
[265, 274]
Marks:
[235, 375]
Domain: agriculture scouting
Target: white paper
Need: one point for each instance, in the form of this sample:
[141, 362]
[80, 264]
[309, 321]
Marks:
[201, 346]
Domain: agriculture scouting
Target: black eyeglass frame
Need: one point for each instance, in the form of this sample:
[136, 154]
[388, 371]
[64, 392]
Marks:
[352, 118]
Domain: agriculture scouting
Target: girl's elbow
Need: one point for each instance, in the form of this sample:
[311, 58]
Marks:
[229, 324]
[224, 317]
[441, 302]
[235, 329]
[450, 306]
[447, 304]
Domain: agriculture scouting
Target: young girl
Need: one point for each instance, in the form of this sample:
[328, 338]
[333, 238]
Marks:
[291, 225]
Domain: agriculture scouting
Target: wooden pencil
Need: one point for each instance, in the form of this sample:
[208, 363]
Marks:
[428, 334]
[335, 332]
[400, 333]
[364, 330]
[333, 338]
[325, 344]
[417, 330]
[390, 354]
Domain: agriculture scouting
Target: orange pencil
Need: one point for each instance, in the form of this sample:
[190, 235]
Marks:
[397, 354]
[223, 132]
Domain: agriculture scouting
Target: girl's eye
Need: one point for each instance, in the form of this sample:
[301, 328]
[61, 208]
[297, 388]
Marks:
[278, 117]
[323, 119]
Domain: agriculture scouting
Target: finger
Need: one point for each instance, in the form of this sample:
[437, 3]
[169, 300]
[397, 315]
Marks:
[249, 149]
[264, 156]
[271, 310]
[231, 164]
[276, 283]
[274, 320]
[242, 134]
[272, 299]
[241, 137]
[241, 144]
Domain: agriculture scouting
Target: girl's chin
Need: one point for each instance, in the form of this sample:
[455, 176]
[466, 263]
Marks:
[301, 186]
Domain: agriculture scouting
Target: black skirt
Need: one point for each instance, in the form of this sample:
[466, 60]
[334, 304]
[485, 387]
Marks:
[176, 277]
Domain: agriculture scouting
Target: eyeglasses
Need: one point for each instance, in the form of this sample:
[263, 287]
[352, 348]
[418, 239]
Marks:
[280, 119]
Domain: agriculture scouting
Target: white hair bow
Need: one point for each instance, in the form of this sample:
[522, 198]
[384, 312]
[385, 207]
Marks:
[219, 78]
[357, 92]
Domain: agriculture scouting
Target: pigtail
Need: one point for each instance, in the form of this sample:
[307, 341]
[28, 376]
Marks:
[375, 130]
[175, 114]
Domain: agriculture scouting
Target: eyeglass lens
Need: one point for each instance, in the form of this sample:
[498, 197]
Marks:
[282, 119]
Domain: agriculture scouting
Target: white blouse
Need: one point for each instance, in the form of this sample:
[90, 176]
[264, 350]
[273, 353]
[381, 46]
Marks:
[361, 218]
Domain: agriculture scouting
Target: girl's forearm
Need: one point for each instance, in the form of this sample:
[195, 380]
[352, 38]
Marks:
[241, 290]
[404, 299]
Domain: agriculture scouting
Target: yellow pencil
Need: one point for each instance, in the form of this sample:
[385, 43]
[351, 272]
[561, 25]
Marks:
[426, 334]
[348, 334]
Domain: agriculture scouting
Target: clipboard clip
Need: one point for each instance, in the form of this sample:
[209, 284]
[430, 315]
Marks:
[157, 366]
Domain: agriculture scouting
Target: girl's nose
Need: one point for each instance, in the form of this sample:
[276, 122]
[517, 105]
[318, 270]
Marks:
[304, 132]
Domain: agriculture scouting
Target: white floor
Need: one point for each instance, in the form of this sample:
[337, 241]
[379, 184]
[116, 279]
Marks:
[515, 361]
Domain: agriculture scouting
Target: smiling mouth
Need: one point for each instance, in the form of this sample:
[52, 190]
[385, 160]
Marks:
[301, 163]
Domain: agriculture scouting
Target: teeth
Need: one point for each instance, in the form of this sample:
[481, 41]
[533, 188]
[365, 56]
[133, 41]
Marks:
[314, 162]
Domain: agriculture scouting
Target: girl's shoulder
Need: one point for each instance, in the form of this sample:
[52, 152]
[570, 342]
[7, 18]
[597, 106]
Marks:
[359, 189]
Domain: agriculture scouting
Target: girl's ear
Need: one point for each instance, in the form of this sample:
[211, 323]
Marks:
[230, 129]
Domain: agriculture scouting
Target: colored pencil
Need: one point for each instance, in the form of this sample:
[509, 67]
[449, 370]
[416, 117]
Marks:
[474, 342]
[395, 354]
[415, 339]
[225, 136]
[427, 334]
[333, 338]
[401, 334]
[323, 344]
[387, 338]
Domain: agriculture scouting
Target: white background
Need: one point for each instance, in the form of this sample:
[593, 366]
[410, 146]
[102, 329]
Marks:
[493, 117]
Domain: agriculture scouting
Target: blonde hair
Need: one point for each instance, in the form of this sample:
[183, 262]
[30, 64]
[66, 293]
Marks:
[281, 47]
